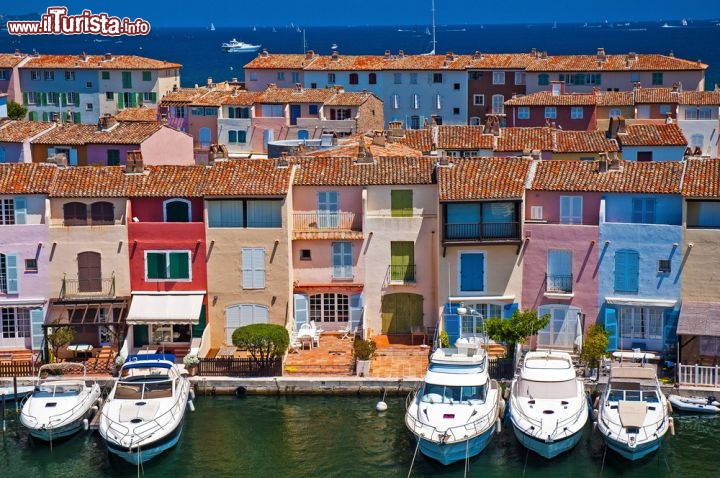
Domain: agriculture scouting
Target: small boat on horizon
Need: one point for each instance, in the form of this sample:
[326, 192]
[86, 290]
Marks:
[333, 46]
[212, 27]
[235, 46]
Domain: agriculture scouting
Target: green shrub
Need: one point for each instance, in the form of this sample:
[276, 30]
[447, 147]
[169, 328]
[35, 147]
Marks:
[262, 341]
[364, 349]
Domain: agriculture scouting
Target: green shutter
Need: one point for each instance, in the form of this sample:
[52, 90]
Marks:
[45, 116]
[199, 328]
[76, 118]
[402, 261]
[77, 99]
[105, 75]
[401, 203]
[25, 99]
[120, 103]
[179, 265]
[140, 335]
[153, 97]
[43, 99]
[127, 79]
[33, 116]
[137, 99]
[156, 267]
[63, 99]
[242, 136]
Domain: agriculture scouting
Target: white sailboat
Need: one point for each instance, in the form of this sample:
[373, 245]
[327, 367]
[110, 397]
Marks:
[212, 27]
[433, 41]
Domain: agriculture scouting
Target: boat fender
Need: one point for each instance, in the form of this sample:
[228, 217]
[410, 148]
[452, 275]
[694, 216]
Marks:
[669, 406]
[94, 409]
[671, 425]
[191, 405]
[595, 414]
[506, 393]
[711, 400]
[191, 395]
[595, 403]
[594, 427]
[86, 424]
[381, 406]
[240, 391]
[498, 426]
[502, 408]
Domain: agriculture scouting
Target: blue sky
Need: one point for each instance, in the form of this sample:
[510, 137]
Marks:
[380, 12]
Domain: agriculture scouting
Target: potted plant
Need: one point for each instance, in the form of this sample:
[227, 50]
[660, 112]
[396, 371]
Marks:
[363, 351]
[119, 361]
[192, 362]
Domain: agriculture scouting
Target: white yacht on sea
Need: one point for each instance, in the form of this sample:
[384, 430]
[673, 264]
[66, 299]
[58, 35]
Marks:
[548, 405]
[236, 46]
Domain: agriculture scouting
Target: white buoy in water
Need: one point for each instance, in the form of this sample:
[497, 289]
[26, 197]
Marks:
[381, 406]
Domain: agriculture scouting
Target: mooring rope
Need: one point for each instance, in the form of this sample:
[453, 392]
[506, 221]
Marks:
[417, 447]
[467, 457]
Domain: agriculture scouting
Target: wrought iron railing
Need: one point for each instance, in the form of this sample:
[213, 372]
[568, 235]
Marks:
[482, 231]
[403, 274]
[87, 287]
[326, 221]
[558, 283]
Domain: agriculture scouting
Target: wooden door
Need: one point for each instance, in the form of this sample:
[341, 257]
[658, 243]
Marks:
[89, 272]
[400, 312]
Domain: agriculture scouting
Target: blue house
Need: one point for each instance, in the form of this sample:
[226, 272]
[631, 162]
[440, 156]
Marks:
[639, 266]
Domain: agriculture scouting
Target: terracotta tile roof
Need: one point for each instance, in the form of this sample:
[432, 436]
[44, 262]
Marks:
[79, 134]
[652, 135]
[632, 177]
[266, 60]
[546, 98]
[583, 142]
[350, 147]
[655, 95]
[293, 95]
[641, 62]
[483, 178]
[448, 61]
[9, 60]
[211, 98]
[142, 114]
[98, 62]
[169, 181]
[242, 98]
[248, 177]
[182, 96]
[419, 139]
[338, 61]
[20, 130]
[463, 137]
[711, 98]
[347, 98]
[702, 178]
[339, 171]
[25, 178]
[91, 181]
[614, 98]
[519, 139]
[500, 60]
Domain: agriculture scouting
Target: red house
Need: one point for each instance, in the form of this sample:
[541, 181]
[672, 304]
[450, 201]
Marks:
[569, 111]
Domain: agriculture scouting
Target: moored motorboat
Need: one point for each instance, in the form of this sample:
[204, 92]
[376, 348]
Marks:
[144, 412]
[633, 414]
[548, 405]
[11, 393]
[694, 404]
[60, 403]
[456, 411]
[236, 46]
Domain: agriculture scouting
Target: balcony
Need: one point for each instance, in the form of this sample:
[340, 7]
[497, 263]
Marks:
[80, 289]
[558, 284]
[487, 232]
[403, 274]
[327, 225]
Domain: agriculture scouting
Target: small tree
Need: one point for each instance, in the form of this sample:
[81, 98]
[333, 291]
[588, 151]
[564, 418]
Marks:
[517, 329]
[595, 345]
[16, 111]
[61, 336]
[262, 341]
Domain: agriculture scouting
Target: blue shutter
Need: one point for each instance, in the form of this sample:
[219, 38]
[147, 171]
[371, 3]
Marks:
[472, 272]
[633, 271]
[670, 329]
[20, 211]
[232, 136]
[620, 271]
[356, 310]
[73, 159]
[37, 317]
[611, 327]
[301, 310]
[11, 271]
[509, 310]
[452, 322]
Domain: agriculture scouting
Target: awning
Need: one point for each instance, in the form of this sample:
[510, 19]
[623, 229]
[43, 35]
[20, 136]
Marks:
[165, 308]
[699, 318]
[483, 299]
[667, 303]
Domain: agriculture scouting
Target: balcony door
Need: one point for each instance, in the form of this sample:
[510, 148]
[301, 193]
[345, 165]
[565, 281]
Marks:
[402, 261]
[400, 312]
[328, 207]
[89, 272]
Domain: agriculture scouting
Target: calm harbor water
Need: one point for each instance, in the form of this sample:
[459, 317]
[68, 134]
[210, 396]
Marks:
[341, 437]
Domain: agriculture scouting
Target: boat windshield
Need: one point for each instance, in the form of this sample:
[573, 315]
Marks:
[457, 368]
[632, 392]
[546, 390]
[473, 395]
[137, 391]
[51, 391]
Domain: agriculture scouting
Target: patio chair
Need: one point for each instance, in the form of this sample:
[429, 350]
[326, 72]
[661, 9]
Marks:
[295, 344]
[348, 332]
[306, 341]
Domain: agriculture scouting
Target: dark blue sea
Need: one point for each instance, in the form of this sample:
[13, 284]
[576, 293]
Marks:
[198, 49]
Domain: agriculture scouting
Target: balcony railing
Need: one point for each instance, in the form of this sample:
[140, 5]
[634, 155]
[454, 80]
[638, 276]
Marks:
[326, 221]
[558, 283]
[483, 231]
[87, 288]
[402, 274]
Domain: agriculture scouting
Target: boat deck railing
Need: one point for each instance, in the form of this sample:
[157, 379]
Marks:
[649, 431]
[62, 418]
[560, 425]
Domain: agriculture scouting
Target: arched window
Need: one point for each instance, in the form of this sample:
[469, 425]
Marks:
[177, 210]
[75, 214]
[102, 213]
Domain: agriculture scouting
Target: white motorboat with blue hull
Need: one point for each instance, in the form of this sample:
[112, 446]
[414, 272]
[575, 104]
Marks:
[455, 413]
[632, 412]
[548, 405]
[60, 405]
[144, 412]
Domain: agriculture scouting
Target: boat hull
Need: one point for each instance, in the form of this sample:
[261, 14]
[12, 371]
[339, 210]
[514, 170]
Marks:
[50, 434]
[640, 451]
[544, 448]
[146, 453]
[448, 453]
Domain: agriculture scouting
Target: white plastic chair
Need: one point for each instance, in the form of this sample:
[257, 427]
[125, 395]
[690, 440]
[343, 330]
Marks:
[348, 332]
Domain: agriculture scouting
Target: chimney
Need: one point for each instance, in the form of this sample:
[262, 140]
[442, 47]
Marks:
[134, 162]
[535, 154]
[309, 55]
[671, 54]
[17, 52]
[387, 54]
[378, 139]
[543, 55]
[83, 56]
[107, 57]
[209, 81]
[449, 56]
[621, 126]
[298, 88]
[533, 52]
[477, 55]
[602, 162]
[175, 87]
[401, 54]
[283, 161]
[265, 53]
[364, 154]
[601, 54]
[335, 56]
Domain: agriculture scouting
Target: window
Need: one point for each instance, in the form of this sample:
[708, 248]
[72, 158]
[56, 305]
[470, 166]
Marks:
[438, 102]
[31, 265]
[641, 322]
[474, 121]
[498, 78]
[238, 112]
[643, 210]
[262, 213]
[128, 100]
[550, 112]
[543, 79]
[177, 210]
[295, 77]
[329, 307]
[149, 97]
[414, 122]
[397, 78]
[342, 260]
[105, 75]
[73, 98]
[331, 78]
[415, 101]
[170, 333]
[615, 113]
[226, 213]
[456, 111]
[456, 86]
[33, 98]
[697, 140]
[12, 211]
[127, 79]
[9, 282]
[570, 209]
[709, 346]
[563, 328]
[15, 323]
[657, 79]
[240, 315]
[396, 101]
[536, 213]
[89, 272]
[471, 272]
[109, 96]
[313, 110]
[35, 75]
[372, 78]
[272, 111]
[102, 213]
[281, 76]
[4, 75]
[237, 136]
[665, 110]
[253, 268]
[523, 112]
[413, 78]
[88, 106]
[178, 111]
[519, 77]
[88, 84]
[576, 112]
[167, 265]
[644, 156]
[354, 79]
[559, 271]
[476, 75]
[210, 111]
[305, 255]
[498, 104]
[146, 76]
[253, 76]
[627, 267]
[664, 266]
[53, 98]
[74, 214]
[340, 113]
[437, 78]
[49, 75]
[401, 203]
[479, 100]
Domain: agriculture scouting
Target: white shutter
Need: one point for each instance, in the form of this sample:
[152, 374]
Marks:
[247, 269]
[259, 268]
[11, 272]
[37, 317]
[20, 206]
